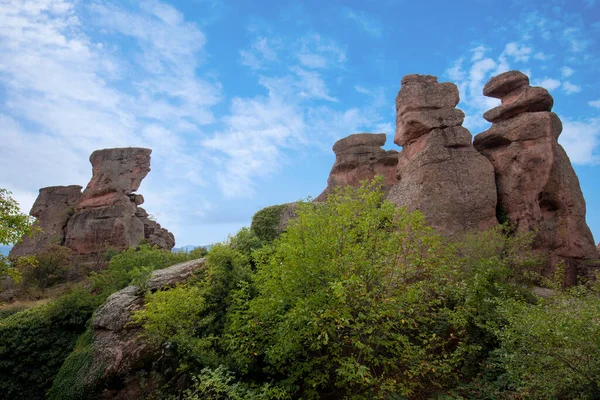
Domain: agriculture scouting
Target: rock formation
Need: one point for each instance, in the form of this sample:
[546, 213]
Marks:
[538, 190]
[105, 216]
[121, 356]
[52, 209]
[439, 172]
[360, 157]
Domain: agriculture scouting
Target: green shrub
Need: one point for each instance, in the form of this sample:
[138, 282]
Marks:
[220, 384]
[134, 264]
[34, 343]
[191, 317]
[551, 350]
[351, 303]
[265, 223]
[71, 382]
[45, 269]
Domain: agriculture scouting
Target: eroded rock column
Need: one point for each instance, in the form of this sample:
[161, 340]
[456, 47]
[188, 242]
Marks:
[360, 157]
[538, 190]
[439, 172]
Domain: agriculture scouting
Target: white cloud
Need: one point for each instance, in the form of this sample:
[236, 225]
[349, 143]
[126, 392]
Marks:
[311, 85]
[574, 37]
[571, 88]
[366, 22]
[581, 138]
[548, 83]
[71, 93]
[567, 71]
[594, 103]
[262, 53]
[318, 52]
[541, 56]
[519, 52]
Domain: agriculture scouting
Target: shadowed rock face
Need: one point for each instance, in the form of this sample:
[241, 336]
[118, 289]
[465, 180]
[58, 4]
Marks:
[52, 209]
[538, 190]
[439, 172]
[360, 157]
[105, 216]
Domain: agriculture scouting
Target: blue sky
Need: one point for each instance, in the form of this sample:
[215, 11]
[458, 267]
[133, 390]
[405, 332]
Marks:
[241, 101]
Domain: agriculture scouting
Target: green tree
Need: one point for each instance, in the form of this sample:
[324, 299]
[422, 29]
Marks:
[352, 303]
[13, 226]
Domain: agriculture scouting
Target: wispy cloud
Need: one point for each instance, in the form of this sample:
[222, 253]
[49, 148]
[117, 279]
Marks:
[567, 72]
[366, 22]
[581, 139]
[262, 53]
[594, 103]
[570, 88]
[548, 83]
[319, 52]
[71, 93]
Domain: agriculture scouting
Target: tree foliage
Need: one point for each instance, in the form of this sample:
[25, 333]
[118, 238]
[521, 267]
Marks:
[13, 226]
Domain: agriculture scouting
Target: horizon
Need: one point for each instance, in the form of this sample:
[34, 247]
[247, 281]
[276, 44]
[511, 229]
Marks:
[241, 103]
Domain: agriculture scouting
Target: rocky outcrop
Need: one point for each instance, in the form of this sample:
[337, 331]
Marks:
[52, 210]
[439, 172]
[538, 190]
[120, 354]
[105, 216]
[360, 157]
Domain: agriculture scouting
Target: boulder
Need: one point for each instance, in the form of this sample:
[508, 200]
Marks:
[121, 355]
[360, 157]
[439, 172]
[52, 210]
[538, 190]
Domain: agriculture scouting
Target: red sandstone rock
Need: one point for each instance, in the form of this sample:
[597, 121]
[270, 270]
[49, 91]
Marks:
[119, 170]
[105, 216]
[360, 157]
[52, 209]
[538, 190]
[439, 171]
[501, 85]
[526, 99]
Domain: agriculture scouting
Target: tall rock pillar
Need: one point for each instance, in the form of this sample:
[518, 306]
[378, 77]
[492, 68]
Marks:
[538, 190]
[439, 172]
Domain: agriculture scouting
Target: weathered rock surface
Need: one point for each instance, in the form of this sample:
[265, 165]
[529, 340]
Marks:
[439, 172]
[538, 190]
[360, 157]
[105, 216]
[120, 354]
[52, 209]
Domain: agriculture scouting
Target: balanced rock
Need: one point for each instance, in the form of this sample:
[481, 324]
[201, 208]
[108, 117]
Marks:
[360, 157]
[105, 216]
[108, 216]
[52, 210]
[538, 190]
[439, 172]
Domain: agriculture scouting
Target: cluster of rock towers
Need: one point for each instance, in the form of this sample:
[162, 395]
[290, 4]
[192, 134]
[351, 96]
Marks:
[514, 172]
[107, 215]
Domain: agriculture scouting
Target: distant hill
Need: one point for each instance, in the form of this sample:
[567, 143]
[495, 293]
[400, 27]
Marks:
[190, 247]
[5, 249]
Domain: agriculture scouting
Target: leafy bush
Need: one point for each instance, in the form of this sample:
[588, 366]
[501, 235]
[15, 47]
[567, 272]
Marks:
[265, 223]
[551, 349]
[35, 342]
[191, 318]
[220, 384]
[351, 303]
[71, 381]
[48, 268]
[133, 265]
